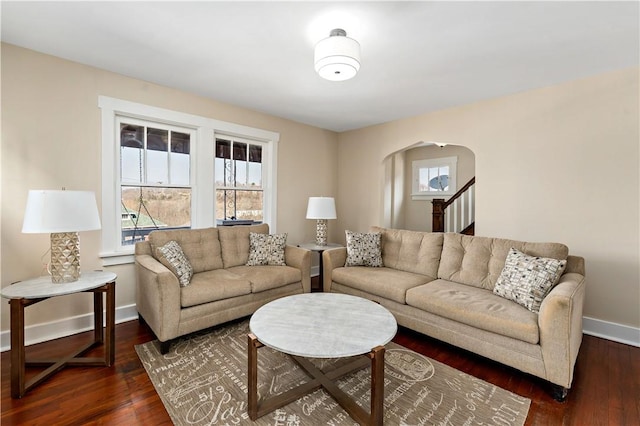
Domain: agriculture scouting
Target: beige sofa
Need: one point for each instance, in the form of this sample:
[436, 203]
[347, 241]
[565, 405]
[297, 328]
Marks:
[222, 287]
[441, 285]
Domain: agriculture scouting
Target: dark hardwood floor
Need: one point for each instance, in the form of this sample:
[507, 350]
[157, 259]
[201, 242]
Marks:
[606, 389]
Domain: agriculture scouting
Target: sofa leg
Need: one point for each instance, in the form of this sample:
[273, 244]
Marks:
[164, 347]
[559, 393]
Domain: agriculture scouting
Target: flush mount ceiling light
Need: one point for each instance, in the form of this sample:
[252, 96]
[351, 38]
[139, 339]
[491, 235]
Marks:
[337, 57]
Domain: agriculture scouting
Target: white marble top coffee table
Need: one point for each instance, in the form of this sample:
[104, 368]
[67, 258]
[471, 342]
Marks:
[323, 325]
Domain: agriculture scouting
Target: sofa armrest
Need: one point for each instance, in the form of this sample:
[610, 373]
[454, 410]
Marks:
[560, 322]
[157, 297]
[332, 259]
[300, 258]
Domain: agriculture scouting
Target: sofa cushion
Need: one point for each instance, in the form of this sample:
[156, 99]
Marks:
[384, 282]
[172, 256]
[265, 249]
[476, 307]
[411, 251]
[234, 241]
[478, 261]
[200, 246]
[526, 280]
[264, 278]
[363, 249]
[210, 286]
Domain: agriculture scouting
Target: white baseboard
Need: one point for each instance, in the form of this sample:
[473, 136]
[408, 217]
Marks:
[315, 271]
[611, 331]
[65, 327]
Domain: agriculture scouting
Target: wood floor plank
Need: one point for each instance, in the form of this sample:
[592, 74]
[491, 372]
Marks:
[605, 390]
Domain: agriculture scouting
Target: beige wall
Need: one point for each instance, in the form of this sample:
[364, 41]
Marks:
[51, 134]
[418, 213]
[554, 164]
[540, 157]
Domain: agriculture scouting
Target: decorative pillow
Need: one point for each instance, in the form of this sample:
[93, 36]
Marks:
[527, 280]
[172, 256]
[265, 249]
[363, 249]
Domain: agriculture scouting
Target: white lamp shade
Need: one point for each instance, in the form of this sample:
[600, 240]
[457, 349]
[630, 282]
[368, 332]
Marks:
[60, 211]
[337, 58]
[321, 208]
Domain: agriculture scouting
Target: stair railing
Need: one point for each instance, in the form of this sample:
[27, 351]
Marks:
[457, 213]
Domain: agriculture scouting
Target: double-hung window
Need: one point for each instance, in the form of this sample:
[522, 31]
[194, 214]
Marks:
[160, 170]
[155, 177]
[239, 189]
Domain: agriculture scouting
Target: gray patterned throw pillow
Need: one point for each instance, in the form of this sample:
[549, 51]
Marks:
[363, 249]
[526, 280]
[172, 256]
[266, 249]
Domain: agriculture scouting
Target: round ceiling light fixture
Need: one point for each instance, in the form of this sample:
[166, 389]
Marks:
[337, 57]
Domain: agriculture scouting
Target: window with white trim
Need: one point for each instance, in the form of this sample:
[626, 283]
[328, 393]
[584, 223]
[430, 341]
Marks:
[239, 189]
[155, 181]
[159, 168]
[434, 177]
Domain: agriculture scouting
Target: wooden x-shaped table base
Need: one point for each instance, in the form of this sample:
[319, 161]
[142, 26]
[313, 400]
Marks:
[319, 379]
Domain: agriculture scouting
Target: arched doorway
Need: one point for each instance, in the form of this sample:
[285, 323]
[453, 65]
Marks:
[417, 175]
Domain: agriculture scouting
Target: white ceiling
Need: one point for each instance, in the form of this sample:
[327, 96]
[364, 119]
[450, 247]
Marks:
[416, 56]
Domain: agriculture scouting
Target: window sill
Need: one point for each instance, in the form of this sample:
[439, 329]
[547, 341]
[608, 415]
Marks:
[117, 258]
[431, 196]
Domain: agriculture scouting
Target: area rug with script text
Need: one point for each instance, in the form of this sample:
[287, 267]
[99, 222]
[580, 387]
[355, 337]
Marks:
[202, 380]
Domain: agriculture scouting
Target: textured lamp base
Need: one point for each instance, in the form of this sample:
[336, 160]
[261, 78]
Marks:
[65, 257]
[321, 232]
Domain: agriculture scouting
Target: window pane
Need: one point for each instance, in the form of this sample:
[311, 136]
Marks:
[249, 205]
[223, 148]
[146, 209]
[423, 179]
[157, 156]
[180, 142]
[232, 204]
[240, 151]
[255, 153]
[180, 169]
[179, 161]
[255, 175]
[225, 204]
[219, 170]
[240, 173]
[131, 153]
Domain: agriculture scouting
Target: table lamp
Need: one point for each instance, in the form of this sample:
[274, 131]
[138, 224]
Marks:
[62, 214]
[321, 208]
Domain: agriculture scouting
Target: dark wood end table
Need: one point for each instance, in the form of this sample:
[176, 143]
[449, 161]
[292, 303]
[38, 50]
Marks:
[319, 249]
[30, 292]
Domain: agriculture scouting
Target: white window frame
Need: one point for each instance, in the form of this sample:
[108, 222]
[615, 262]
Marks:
[264, 169]
[451, 162]
[202, 168]
[145, 183]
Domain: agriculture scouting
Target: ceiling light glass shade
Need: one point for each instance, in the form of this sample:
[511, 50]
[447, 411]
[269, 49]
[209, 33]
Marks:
[60, 211]
[337, 58]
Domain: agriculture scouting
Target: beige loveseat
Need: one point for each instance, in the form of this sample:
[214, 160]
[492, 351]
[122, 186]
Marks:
[441, 285]
[222, 288]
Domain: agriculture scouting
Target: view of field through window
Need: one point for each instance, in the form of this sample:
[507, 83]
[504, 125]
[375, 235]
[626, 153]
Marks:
[238, 180]
[155, 180]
